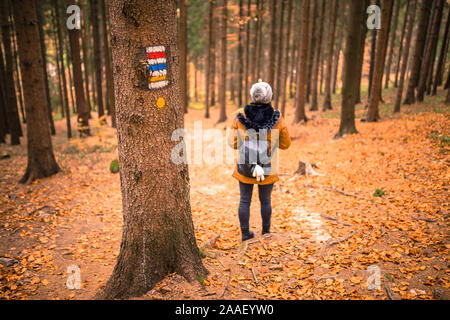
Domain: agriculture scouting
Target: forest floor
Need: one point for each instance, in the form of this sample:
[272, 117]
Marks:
[373, 225]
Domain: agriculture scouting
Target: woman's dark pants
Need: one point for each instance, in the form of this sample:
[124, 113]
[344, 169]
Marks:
[265, 192]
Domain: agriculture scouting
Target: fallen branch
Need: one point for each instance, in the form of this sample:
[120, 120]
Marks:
[332, 242]
[227, 285]
[342, 192]
[389, 293]
[328, 217]
[427, 219]
[255, 278]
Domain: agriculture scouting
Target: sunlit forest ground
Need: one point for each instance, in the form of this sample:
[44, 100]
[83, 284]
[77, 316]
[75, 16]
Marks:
[381, 200]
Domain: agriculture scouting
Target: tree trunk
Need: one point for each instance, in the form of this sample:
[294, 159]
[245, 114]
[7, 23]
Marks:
[400, 50]
[260, 40]
[300, 114]
[158, 234]
[240, 53]
[442, 58]
[331, 38]
[311, 49]
[41, 160]
[337, 52]
[392, 43]
[223, 71]
[209, 85]
[280, 56]
[360, 61]
[3, 120]
[84, 37]
[82, 107]
[12, 113]
[286, 58]
[97, 57]
[272, 44]
[372, 113]
[430, 50]
[18, 77]
[355, 28]
[294, 51]
[247, 53]
[44, 65]
[401, 84]
[182, 25]
[62, 69]
[425, 7]
[317, 58]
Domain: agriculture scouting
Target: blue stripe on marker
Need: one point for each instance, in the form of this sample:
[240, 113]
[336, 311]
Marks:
[157, 67]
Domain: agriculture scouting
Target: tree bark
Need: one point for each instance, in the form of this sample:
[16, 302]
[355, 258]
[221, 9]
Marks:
[300, 114]
[401, 84]
[280, 56]
[355, 28]
[317, 58]
[44, 65]
[82, 107]
[97, 57]
[386, 11]
[223, 71]
[110, 103]
[272, 44]
[430, 50]
[247, 53]
[337, 52]
[240, 53]
[18, 74]
[209, 84]
[360, 61]
[12, 112]
[3, 120]
[286, 58]
[62, 69]
[84, 40]
[400, 50]
[392, 43]
[41, 160]
[442, 58]
[158, 234]
[329, 62]
[425, 7]
[183, 53]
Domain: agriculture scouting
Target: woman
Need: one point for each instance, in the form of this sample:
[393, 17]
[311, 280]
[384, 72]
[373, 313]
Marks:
[261, 117]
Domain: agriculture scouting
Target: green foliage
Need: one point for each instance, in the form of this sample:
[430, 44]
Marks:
[197, 26]
[114, 166]
[201, 279]
[379, 192]
[202, 254]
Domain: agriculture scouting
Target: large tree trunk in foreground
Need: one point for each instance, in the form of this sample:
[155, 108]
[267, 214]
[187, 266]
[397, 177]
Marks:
[158, 234]
[425, 12]
[380, 56]
[41, 160]
[355, 28]
[300, 114]
[12, 113]
[401, 84]
[82, 107]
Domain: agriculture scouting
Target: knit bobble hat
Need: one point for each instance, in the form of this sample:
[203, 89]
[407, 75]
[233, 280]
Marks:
[261, 92]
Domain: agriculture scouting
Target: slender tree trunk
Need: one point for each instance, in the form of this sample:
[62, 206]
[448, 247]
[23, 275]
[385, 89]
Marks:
[355, 28]
[425, 7]
[209, 84]
[392, 43]
[286, 58]
[69, 63]
[3, 102]
[247, 52]
[12, 113]
[317, 58]
[331, 37]
[360, 61]
[337, 52]
[311, 49]
[97, 57]
[223, 71]
[442, 58]
[18, 77]
[44, 65]
[158, 235]
[280, 55]
[430, 50]
[401, 84]
[63, 72]
[260, 40]
[372, 113]
[84, 41]
[272, 44]
[82, 107]
[41, 160]
[294, 52]
[182, 34]
[300, 114]
[58, 67]
[240, 54]
[400, 50]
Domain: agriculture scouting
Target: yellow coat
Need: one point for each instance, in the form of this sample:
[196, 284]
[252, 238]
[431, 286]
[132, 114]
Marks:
[284, 143]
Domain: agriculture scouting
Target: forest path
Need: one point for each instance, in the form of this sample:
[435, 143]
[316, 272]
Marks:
[329, 231]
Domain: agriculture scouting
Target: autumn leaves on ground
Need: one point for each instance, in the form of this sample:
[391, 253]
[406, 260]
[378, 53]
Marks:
[379, 206]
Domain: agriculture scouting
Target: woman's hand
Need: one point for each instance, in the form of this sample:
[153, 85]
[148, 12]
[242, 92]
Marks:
[258, 172]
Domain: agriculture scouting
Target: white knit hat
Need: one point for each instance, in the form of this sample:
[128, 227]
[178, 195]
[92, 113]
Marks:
[261, 92]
